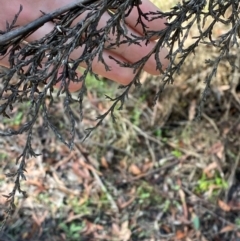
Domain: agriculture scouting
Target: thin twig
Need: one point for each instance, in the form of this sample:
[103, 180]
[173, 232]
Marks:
[231, 180]
[98, 179]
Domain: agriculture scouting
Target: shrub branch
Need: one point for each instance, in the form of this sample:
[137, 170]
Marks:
[37, 63]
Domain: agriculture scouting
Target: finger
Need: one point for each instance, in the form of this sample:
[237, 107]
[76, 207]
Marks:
[121, 75]
[134, 52]
[146, 7]
[117, 73]
[130, 53]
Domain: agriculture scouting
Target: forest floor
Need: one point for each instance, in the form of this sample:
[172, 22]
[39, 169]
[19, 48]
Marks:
[158, 173]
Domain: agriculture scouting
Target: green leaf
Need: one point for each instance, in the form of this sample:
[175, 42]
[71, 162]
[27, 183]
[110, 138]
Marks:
[196, 222]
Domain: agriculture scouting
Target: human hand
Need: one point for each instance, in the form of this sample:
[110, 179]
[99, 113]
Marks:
[124, 53]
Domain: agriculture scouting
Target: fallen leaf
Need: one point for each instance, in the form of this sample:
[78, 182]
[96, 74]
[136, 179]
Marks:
[147, 166]
[217, 149]
[227, 228]
[224, 206]
[125, 231]
[115, 229]
[134, 169]
[104, 162]
[192, 110]
[91, 227]
[180, 235]
[210, 167]
[182, 196]
[123, 163]
[122, 232]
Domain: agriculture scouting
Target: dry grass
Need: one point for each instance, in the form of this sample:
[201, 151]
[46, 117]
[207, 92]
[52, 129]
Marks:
[165, 5]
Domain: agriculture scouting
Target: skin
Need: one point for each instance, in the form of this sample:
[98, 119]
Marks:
[119, 74]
